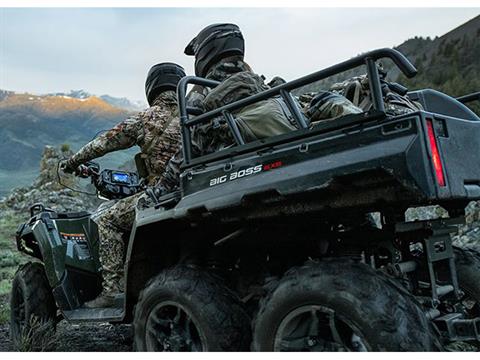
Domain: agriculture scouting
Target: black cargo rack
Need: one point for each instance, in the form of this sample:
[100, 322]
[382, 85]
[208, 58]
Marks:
[369, 59]
[465, 99]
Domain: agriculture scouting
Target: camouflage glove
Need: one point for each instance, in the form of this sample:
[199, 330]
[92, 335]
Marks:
[67, 167]
[82, 170]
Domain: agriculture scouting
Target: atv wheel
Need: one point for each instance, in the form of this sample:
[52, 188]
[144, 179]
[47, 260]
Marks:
[33, 310]
[467, 262]
[336, 305]
[188, 309]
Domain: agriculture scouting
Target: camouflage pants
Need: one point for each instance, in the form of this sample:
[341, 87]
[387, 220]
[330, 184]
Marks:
[112, 224]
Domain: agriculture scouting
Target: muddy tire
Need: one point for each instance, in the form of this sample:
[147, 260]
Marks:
[338, 305]
[188, 309]
[32, 309]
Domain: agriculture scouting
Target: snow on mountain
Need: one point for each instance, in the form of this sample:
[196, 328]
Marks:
[122, 103]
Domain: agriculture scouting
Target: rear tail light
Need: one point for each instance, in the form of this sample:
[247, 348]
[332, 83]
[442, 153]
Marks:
[436, 159]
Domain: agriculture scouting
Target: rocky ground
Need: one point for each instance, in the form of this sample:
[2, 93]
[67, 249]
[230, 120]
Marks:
[50, 188]
[14, 210]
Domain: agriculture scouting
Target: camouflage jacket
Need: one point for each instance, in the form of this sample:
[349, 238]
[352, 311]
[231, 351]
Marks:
[156, 131]
[219, 72]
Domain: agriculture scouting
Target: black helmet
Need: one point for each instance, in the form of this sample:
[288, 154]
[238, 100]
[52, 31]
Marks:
[214, 43]
[162, 77]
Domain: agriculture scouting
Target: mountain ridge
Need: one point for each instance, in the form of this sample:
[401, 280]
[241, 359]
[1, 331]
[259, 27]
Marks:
[454, 49]
[123, 102]
[29, 122]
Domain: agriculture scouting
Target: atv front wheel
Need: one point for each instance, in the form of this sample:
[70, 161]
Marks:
[188, 309]
[339, 305]
[32, 309]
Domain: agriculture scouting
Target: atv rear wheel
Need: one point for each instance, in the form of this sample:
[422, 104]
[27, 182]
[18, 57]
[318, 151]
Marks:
[467, 262]
[33, 310]
[188, 309]
[338, 305]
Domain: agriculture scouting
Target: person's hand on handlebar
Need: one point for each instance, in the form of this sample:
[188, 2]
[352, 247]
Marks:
[82, 170]
[66, 167]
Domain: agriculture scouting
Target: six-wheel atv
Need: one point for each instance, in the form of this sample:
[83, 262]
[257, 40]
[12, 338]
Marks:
[267, 245]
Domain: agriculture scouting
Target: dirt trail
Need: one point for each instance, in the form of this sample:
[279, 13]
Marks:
[85, 337]
[116, 338]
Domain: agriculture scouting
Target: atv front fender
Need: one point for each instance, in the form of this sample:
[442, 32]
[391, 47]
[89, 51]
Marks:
[44, 234]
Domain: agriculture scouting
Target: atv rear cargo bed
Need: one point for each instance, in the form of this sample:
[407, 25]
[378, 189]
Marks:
[372, 164]
[362, 162]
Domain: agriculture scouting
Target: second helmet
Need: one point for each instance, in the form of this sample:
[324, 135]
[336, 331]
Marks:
[214, 43]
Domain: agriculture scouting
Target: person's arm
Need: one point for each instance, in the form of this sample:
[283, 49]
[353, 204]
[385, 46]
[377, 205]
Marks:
[122, 136]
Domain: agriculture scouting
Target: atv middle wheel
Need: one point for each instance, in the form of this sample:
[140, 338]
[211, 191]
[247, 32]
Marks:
[338, 305]
[188, 309]
[33, 310]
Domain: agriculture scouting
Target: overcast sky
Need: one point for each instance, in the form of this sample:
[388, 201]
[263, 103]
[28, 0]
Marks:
[109, 51]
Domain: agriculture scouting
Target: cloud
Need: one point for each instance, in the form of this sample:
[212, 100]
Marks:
[110, 50]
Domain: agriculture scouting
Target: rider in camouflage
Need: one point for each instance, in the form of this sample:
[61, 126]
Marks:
[156, 131]
[219, 54]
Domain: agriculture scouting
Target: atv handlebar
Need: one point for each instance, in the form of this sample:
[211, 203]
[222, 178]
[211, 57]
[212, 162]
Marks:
[89, 169]
[283, 90]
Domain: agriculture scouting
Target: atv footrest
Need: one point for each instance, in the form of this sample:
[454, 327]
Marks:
[98, 315]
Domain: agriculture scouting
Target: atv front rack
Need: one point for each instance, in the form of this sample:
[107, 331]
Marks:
[369, 59]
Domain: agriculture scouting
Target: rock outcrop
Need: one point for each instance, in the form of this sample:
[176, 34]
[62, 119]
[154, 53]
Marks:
[49, 188]
[468, 234]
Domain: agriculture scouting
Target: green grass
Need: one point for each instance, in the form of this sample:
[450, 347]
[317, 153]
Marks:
[5, 286]
[10, 259]
[4, 310]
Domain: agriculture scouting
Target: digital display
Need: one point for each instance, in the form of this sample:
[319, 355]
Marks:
[120, 178]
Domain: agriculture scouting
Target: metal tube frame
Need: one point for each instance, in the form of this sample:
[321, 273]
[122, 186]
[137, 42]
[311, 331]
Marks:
[283, 90]
[465, 99]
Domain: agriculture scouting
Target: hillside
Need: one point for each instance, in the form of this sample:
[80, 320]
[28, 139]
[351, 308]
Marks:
[29, 122]
[448, 63]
